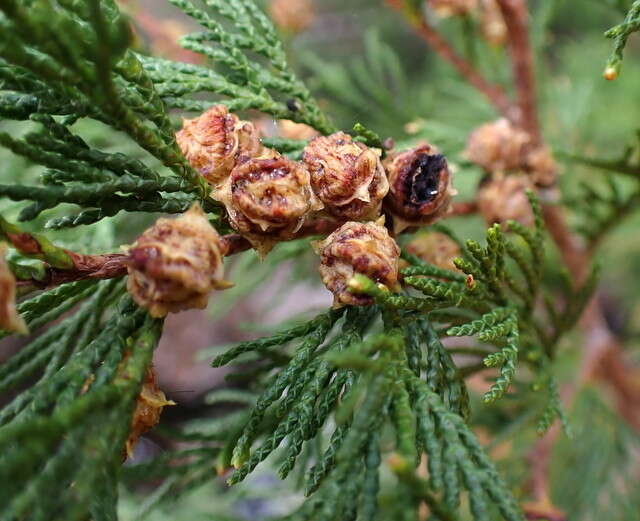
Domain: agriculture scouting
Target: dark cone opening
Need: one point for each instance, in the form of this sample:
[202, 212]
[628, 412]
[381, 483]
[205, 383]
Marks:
[423, 182]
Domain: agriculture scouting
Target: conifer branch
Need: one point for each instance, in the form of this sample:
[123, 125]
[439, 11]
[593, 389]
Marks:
[371, 378]
[272, 88]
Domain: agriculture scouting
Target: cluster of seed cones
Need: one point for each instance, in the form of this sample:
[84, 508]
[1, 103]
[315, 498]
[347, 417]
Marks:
[270, 198]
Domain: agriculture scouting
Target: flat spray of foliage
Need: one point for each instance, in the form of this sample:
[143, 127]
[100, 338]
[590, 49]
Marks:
[343, 398]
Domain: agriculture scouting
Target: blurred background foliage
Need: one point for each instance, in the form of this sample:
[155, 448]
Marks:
[366, 65]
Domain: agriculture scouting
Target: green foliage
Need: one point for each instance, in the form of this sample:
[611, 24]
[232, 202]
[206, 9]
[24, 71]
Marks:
[253, 69]
[602, 208]
[90, 371]
[44, 72]
[366, 365]
[375, 77]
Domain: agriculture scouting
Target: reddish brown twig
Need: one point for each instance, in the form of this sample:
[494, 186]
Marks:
[515, 14]
[494, 93]
[114, 265]
[108, 266]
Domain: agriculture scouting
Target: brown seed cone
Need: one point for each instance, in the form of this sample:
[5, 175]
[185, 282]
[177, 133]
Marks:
[216, 141]
[347, 176]
[419, 187]
[10, 320]
[435, 248]
[175, 264]
[146, 415]
[354, 248]
[292, 15]
[503, 198]
[446, 8]
[497, 146]
[500, 147]
[539, 162]
[268, 199]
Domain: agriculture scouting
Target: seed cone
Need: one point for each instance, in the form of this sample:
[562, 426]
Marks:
[435, 248]
[364, 248]
[10, 319]
[497, 146]
[292, 15]
[268, 199]
[146, 415]
[216, 141]
[500, 147]
[175, 264]
[347, 176]
[503, 197]
[419, 187]
[446, 8]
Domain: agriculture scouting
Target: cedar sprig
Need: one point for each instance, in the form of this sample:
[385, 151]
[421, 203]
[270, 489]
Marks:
[72, 59]
[81, 404]
[390, 393]
[553, 410]
[620, 35]
[266, 83]
[602, 209]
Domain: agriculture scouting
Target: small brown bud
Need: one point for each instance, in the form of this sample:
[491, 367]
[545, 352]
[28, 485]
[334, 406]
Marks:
[470, 282]
[419, 187]
[497, 146]
[364, 248]
[268, 199]
[216, 141]
[435, 248]
[347, 176]
[610, 73]
[10, 320]
[492, 23]
[447, 8]
[175, 264]
[503, 198]
[146, 415]
[292, 15]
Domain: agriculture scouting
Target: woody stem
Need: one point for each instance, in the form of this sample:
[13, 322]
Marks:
[494, 93]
